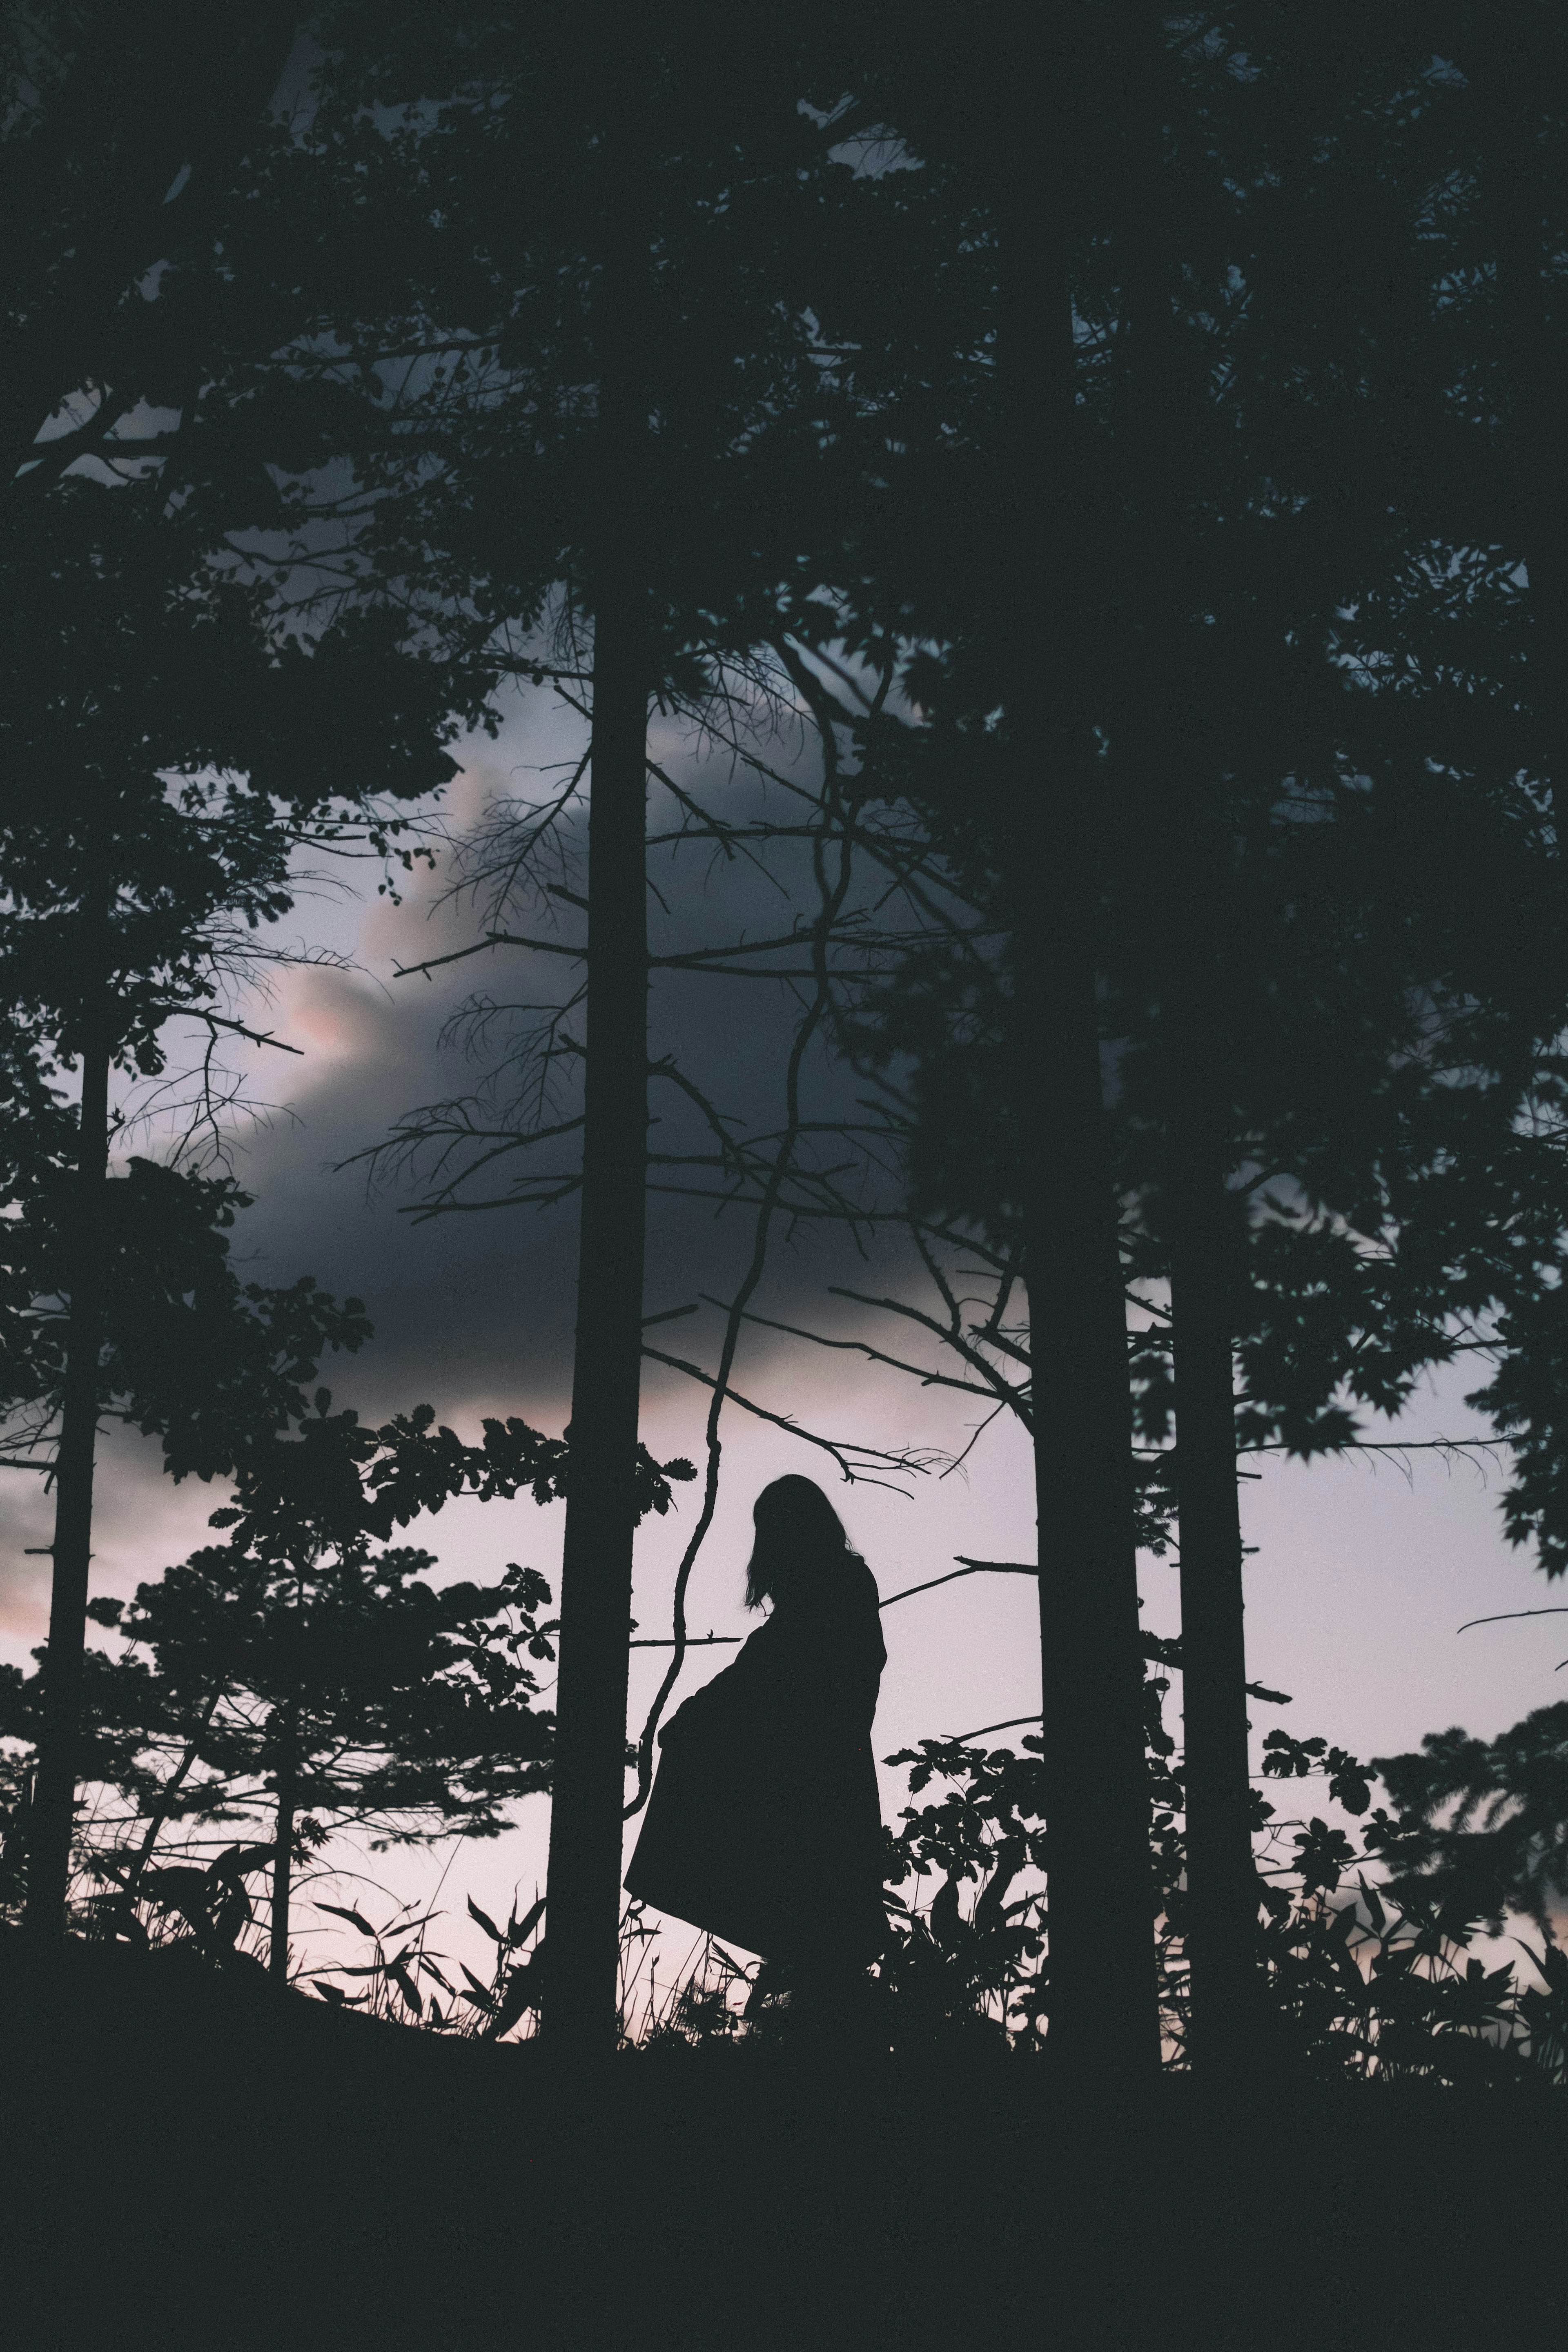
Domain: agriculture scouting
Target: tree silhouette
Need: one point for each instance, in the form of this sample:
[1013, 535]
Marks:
[1479, 1830]
[132, 898]
[122, 135]
[324, 1693]
[304, 1671]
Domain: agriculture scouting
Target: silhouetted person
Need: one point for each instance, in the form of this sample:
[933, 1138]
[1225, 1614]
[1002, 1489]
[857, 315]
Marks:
[764, 1824]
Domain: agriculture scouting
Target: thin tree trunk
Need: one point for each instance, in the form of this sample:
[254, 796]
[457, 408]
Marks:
[1225, 1980]
[1161, 420]
[1104, 2011]
[283, 1846]
[579, 2019]
[54, 1796]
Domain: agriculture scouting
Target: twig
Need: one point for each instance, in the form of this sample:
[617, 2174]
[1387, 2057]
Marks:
[962, 1736]
[875, 1355]
[215, 1021]
[1508, 1615]
[690, 1642]
[844, 1452]
[970, 1568]
[491, 940]
[1410, 1445]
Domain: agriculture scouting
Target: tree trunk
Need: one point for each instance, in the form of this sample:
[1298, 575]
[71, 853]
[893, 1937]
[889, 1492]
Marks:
[283, 1845]
[1166, 780]
[579, 2018]
[1104, 2012]
[54, 1796]
[282, 1882]
[1224, 1982]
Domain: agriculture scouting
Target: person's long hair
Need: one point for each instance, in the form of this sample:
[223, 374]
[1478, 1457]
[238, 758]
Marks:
[795, 1524]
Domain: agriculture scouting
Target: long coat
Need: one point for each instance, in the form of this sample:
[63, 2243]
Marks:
[765, 1823]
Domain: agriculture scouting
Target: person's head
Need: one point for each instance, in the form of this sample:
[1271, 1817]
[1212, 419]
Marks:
[798, 1532]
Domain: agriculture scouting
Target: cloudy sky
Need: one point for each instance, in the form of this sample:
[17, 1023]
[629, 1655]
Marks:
[1364, 1569]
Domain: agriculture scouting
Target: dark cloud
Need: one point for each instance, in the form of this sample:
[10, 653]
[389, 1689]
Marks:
[474, 1310]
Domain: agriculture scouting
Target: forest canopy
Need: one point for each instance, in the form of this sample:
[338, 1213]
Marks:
[1062, 526]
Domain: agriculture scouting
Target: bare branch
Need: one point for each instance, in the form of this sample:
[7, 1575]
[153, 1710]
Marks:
[864, 1347]
[1507, 1617]
[491, 940]
[970, 1568]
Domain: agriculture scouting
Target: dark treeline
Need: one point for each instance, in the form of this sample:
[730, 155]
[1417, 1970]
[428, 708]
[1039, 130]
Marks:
[1124, 441]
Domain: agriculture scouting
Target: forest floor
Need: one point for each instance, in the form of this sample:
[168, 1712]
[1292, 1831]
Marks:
[190, 2166]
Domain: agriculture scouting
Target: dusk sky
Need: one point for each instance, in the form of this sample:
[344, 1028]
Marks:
[1364, 1569]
